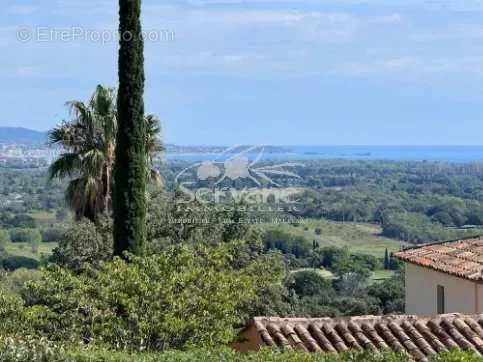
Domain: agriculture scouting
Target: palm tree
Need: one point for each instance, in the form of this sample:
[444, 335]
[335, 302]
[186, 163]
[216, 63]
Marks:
[89, 142]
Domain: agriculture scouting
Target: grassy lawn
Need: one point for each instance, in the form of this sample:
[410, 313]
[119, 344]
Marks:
[376, 277]
[24, 249]
[382, 274]
[360, 238]
[379, 276]
[322, 272]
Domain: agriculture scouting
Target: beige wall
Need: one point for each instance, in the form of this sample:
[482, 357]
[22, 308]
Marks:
[461, 295]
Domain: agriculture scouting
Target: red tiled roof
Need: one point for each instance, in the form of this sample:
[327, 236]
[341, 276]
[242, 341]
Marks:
[462, 258]
[418, 338]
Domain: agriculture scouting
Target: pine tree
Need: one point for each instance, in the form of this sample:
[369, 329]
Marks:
[130, 176]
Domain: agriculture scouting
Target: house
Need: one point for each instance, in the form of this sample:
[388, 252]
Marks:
[420, 338]
[445, 277]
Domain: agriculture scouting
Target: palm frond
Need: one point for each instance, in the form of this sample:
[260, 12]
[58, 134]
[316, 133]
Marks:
[104, 105]
[83, 116]
[93, 162]
[65, 166]
[68, 134]
[74, 197]
[103, 101]
[153, 131]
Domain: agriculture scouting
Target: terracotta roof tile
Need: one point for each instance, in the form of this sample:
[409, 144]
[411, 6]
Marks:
[462, 258]
[417, 337]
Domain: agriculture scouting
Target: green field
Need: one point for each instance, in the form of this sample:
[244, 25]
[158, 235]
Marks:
[24, 249]
[360, 238]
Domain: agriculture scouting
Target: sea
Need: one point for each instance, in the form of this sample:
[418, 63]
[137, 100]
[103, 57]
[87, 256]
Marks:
[457, 154]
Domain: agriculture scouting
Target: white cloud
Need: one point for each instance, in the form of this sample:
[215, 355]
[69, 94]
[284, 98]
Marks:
[26, 72]
[387, 19]
[412, 67]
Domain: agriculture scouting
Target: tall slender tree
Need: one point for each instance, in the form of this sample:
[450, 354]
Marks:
[129, 175]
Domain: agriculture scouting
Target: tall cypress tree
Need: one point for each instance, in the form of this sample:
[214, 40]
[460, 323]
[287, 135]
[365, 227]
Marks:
[130, 175]
[386, 260]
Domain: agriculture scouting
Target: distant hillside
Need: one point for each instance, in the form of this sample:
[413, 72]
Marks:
[22, 136]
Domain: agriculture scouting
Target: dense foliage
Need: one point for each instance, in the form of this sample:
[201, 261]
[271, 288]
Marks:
[183, 296]
[85, 244]
[21, 349]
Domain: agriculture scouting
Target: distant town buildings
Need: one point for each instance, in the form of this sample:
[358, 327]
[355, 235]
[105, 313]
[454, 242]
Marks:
[27, 156]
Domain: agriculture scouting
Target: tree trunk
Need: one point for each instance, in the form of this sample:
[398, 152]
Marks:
[109, 170]
[130, 168]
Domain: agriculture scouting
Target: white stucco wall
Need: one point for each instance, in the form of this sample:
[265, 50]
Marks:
[461, 295]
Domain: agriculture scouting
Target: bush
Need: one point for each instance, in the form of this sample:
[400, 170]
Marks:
[458, 356]
[85, 243]
[15, 281]
[23, 221]
[52, 235]
[310, 283]
[11, 311]
[21, 349]
[182, 297]
[286, 243]
[26, 349]
[24, 235]
[390, 294]
[16, 262]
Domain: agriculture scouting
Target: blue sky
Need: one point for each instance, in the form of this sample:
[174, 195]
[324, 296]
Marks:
[380, 72]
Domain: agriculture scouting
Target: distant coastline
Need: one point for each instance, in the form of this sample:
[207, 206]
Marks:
[459, 154]
[31, 140]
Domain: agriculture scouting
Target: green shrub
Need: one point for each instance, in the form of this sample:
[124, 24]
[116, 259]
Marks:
[16, 262]
[24, 235]
[16, 281]
[185, 296]
[310, 283]
[11, 311]
[458, 356]
[29, 349]
[23, 221]
[84, 243]
[53, 234]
